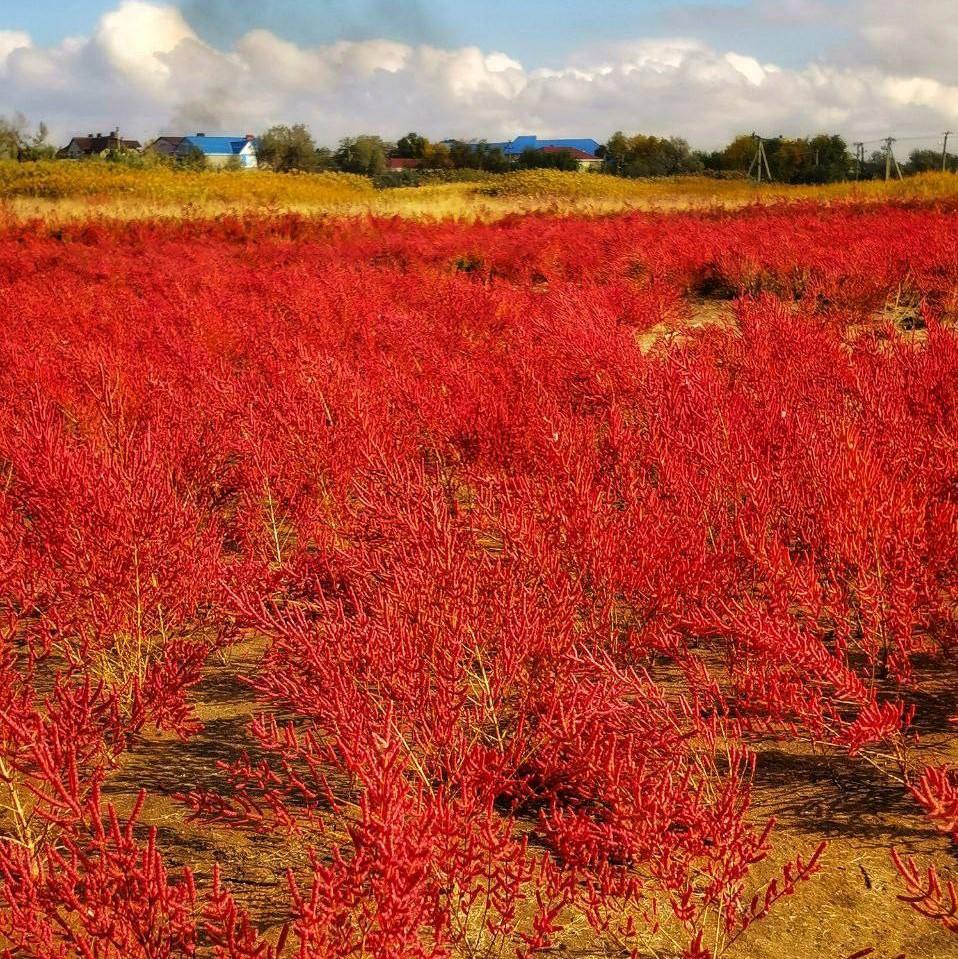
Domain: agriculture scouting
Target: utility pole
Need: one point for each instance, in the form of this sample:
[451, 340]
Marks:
[759, 159]
[765, 158]
[944, 152]
[859, 158]
[890, 159]
[755, 157]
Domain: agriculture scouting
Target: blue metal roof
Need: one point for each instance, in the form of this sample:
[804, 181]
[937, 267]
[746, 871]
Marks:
[585, 144]
[520, 144]
[529, 142]
[214, 146]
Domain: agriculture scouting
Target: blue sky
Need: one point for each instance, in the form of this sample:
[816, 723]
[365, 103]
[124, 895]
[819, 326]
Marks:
[535, 32]
[704, 70]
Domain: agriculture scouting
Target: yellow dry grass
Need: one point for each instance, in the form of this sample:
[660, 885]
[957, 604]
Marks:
[67, 190]
[700, 190]
[101, 182]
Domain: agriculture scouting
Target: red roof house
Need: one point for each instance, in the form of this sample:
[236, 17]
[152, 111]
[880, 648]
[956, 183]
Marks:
[403, 163]
[585, 160]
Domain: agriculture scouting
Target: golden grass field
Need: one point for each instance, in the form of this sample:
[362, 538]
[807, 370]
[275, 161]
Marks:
[64, 190]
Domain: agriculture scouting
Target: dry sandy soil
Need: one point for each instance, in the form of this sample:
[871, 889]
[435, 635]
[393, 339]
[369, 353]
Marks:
[849, 905]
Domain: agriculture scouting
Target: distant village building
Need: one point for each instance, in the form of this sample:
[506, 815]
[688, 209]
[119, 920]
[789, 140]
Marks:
[586, 161]
[220, 151]
[398, 164]
[165, 146]
[96, 145]
[583, 149]
[518, 146]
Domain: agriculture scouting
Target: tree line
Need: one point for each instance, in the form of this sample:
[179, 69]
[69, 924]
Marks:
[19, 141]
[824, 158]
[288, 148]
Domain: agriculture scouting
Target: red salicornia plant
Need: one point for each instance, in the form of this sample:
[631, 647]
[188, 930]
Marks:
[538, 530]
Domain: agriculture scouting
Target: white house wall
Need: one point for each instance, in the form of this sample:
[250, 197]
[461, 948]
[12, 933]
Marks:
[246, 158]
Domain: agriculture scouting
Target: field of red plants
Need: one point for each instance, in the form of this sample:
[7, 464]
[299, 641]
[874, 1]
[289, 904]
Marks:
[382, 589]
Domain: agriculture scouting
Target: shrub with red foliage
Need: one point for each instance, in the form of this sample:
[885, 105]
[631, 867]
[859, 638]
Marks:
[528, 588]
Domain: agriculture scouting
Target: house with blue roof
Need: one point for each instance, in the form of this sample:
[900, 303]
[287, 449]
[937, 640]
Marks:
[219, 151]
[584, 150]
[519, 145]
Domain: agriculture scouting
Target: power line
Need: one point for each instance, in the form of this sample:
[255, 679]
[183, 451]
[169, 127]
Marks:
[807, 149]
[761, 169]
[911, 137]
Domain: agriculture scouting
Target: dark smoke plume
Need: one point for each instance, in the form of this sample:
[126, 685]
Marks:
[316, 21]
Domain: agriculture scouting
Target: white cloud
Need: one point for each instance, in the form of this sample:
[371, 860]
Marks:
[11, 40]
[916, 39]
[135, 37]
[144, 68]
[749, 67]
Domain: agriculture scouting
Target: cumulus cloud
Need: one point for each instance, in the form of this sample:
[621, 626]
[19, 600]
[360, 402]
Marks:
[144, 67]
[11, 40]
[912, 39]
[137, 38]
